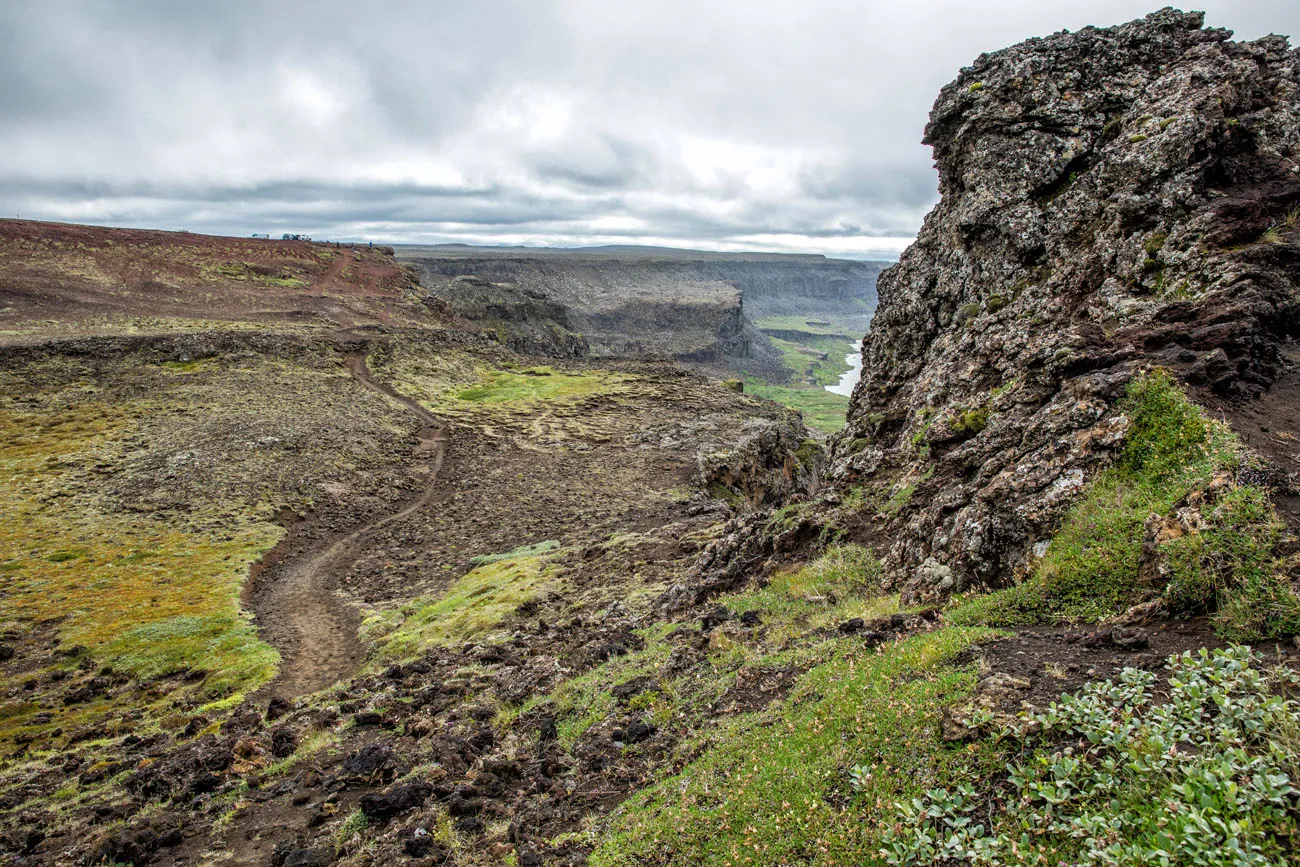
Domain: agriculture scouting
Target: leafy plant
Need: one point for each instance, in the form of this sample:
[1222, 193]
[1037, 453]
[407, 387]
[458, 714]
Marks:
[1109, 776]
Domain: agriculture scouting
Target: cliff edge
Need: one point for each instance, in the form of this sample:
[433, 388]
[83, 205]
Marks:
[1111, 200]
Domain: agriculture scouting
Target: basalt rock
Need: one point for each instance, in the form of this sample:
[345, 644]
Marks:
[774, 461]
[1110, 200]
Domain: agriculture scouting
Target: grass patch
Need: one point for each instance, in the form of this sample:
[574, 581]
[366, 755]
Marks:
[540, 385]
[833, 326]
[839, 585]
[143, 597]
[522, 551]
[473, 605]
[779, 791]
[820, 408]
[1229, 565]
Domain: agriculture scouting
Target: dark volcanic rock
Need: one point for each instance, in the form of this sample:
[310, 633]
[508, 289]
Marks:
[1107, 201]
[396, 800]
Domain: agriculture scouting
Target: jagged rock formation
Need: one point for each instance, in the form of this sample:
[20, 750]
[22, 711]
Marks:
[1110, 199]
[523, 319]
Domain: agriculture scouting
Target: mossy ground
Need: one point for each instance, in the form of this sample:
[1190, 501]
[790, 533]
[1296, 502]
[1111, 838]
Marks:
[122, 593]
[1174, 454]
[137, 497]
[470, 608]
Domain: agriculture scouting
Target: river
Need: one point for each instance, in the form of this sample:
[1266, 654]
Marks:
[849, 378]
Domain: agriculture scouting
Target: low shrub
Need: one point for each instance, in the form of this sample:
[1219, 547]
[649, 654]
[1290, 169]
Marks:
[1111, 776]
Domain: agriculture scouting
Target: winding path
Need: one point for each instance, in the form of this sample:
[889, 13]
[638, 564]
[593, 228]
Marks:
[300, 611]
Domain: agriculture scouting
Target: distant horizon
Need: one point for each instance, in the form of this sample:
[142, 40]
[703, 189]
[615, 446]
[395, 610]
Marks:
[882, 255]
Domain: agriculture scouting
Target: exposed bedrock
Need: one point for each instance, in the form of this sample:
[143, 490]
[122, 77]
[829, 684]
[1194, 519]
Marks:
[1111, 199]
[695, 307]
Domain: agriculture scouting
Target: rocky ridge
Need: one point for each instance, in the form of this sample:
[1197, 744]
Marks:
[1111, 199]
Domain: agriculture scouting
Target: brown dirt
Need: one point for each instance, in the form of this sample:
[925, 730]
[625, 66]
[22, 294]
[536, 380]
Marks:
[298, 607]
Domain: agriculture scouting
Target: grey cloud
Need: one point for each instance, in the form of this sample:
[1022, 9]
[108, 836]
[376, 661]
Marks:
[717, 123]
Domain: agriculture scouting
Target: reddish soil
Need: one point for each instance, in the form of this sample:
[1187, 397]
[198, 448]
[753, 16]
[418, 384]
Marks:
[54, 275]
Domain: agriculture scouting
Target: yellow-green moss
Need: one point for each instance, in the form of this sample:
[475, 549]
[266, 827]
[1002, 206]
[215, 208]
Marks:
[124, 591]
[473, 605]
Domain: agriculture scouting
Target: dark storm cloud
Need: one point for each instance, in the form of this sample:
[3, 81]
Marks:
[717, 123]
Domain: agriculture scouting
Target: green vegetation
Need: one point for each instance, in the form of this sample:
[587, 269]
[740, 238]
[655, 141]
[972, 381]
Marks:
[522, 551]
[970, 422]
[246, 272]
[816, 357]
[833, 328]
[472, 606]
[815, 360]
[967, 312]
[777, 791]
[820, 408]
[1111, 776]
[458, 384]
[127, 593]
[1093, 568]
[539, 384]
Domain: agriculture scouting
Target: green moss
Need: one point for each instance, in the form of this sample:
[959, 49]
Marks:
[540, 385]
[1134, 139]
[970, 422]
[778, 791]
[143, 596]
[976, 87]
[1091, 570]
[967, 312]
[520, 552]
[471, 607]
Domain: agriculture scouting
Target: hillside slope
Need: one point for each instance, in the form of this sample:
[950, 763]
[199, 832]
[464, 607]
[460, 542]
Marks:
[59, 278]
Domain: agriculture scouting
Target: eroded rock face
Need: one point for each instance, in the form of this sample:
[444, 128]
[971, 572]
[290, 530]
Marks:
[1110, 199]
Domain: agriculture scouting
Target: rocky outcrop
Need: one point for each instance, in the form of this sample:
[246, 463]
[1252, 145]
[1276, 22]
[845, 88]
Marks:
[524, 320]
[1111, 199]
[772, 463]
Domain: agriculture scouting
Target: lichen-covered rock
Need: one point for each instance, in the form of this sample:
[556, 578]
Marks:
[1110, 199]
[772, 462]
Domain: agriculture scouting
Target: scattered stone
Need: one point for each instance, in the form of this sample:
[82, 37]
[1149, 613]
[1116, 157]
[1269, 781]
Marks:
[396, 800]
[276, 708]
[715, 616]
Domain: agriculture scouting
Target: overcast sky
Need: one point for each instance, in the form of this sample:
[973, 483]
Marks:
[756, 124]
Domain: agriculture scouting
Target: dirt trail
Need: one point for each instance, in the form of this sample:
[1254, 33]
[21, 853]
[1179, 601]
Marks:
[300, 611]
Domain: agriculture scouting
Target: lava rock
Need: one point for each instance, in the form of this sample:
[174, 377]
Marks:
[715, 616]
[852, 626]
[276, 708]
[396, 800]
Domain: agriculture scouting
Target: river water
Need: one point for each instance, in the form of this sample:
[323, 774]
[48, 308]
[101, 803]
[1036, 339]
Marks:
[849, 378]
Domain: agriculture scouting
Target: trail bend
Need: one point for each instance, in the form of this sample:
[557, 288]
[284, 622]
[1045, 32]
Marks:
[299, 610]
